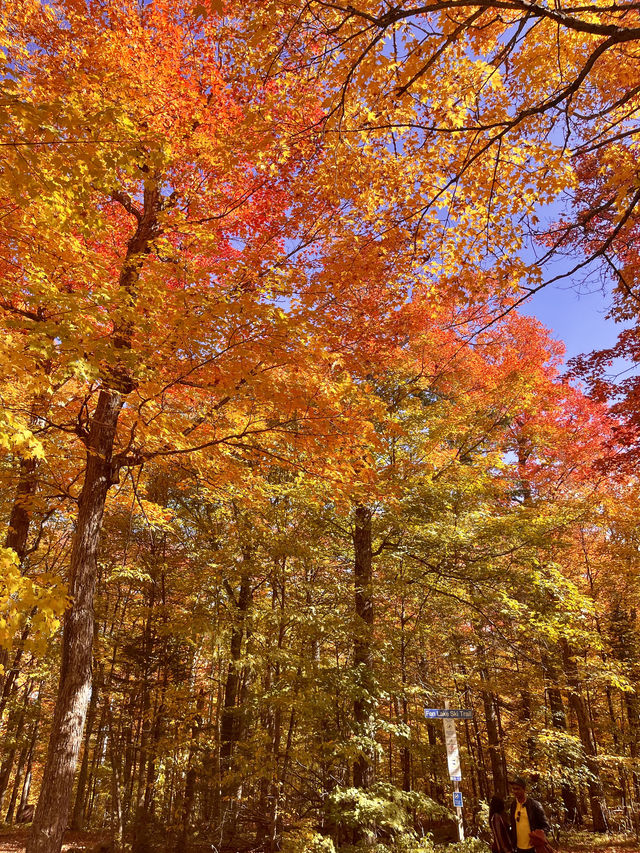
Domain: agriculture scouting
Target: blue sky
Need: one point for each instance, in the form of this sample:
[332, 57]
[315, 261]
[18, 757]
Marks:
[576, 318]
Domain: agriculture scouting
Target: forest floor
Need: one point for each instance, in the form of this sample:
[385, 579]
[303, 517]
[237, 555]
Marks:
[14, 841]
[583, 842]
[613, 848]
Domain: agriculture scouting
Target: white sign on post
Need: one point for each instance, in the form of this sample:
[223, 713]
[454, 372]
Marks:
[448, 717]
[453, 754]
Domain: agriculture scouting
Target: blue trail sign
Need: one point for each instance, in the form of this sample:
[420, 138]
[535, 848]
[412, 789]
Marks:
[448, 713]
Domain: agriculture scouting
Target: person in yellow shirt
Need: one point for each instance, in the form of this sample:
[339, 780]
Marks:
[528, 820]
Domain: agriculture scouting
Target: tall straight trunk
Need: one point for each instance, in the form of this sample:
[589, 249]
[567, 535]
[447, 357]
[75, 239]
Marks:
[116, 786]
[272, 722]
[77, 820]
[128, 773]
[156, 735]
[26, 785]
[145, 727]
[585, 730]
[436, 786]
[273, 808]
[276, 726]
[527, 716]
[363, 768]
[632, 704]
[230, 727]
[158, 717]
[17, 782]
[363, 659]
[476, 791]
[96, 761]
[478, 772]
[622, 631]
[559, 722]
[15, 726]
[74, 688]
[189, 798]
[10, 685]
[483, 776]
[494, 747]
[286, 758]
[406, 751]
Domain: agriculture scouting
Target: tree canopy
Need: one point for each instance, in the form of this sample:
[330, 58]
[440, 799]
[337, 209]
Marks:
[282, 464]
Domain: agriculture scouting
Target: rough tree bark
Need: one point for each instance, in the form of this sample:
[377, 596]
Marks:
[559, 722]
[363, 768]
[585, 730]
[74, 691]
[189, 798]
[494, 747]
[26, 785]
[77, 821]
[363, 658]
[13, 736]
[230, 787]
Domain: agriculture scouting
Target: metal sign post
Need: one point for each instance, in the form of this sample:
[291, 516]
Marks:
[448, 717]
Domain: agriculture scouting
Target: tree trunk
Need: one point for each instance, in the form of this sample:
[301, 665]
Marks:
[77, 821]
[229, 723]
[363, 768]
[623, 630]
[406, 750]
[493, 740]
[363, 659]
[633, 715]
[483, 776]
[577, 702]
[559, 722]
[13, 736]
[10, 684]
[26, 786]
[188, 801]
[436, 787]
[74, 689]
[96, 760]
[116, 785]
[476, 789]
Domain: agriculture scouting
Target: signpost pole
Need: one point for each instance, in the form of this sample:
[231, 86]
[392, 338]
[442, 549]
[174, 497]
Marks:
[455, 773]
[456, 788]
[448, 717]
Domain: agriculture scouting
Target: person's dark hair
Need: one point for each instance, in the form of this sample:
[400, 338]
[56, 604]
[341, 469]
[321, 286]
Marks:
[520, 782]
[496, 805]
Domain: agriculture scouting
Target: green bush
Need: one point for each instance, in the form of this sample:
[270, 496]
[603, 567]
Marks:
[307, 840]
[388, 812]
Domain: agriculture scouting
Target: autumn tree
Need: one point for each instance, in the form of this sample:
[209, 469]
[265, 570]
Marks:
[145, 277]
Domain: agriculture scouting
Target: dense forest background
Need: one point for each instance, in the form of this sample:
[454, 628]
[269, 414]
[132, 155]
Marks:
[281, 463]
